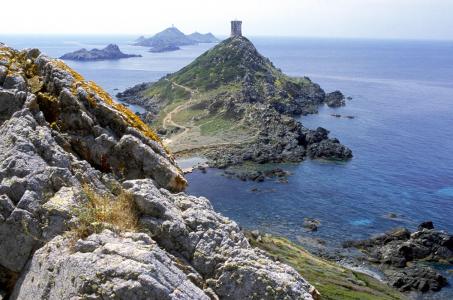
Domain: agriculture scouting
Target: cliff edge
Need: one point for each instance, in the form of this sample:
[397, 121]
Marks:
[91, 204]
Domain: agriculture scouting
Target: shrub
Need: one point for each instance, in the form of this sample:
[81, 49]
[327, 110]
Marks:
[101, 212]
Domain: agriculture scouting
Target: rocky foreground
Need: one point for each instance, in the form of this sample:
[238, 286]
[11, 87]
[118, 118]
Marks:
[91, 204]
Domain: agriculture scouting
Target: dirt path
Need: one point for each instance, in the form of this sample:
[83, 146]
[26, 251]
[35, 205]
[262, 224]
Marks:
[168, 122]
[168, 119]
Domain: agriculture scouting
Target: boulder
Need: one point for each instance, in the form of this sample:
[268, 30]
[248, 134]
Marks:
[105, 266]
[335, 99]
[426, 225]
[420, 278]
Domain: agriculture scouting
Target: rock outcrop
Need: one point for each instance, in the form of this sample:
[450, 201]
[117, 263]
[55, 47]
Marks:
[110, 52]
[335, 99]
[397, 250]
[60, 134]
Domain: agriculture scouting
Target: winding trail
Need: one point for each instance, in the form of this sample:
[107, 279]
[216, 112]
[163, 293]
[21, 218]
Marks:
[169, 122]
[168, 119]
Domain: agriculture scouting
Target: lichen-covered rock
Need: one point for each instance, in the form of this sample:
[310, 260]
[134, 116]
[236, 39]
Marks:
[214, 246]
[105, 266]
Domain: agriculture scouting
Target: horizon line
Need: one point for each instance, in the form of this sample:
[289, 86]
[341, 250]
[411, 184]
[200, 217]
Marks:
[227, 35]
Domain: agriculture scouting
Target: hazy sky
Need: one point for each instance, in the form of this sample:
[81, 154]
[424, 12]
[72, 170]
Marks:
[413, 19]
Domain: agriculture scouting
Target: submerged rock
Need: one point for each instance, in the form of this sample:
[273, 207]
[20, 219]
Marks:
[311, 224]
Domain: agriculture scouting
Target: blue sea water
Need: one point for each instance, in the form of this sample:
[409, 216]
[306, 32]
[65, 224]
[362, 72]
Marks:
[401, 136]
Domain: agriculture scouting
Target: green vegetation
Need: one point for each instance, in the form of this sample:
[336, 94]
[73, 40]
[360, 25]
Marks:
[187, 115]
[331, 280]
[164, 89]
[217, 124]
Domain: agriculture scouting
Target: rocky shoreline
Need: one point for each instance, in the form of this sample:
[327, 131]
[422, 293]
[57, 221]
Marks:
[404, 256]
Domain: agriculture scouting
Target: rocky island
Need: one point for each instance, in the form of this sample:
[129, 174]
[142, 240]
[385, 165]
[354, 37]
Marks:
[233, 105]
[110, 52]
[172, 38]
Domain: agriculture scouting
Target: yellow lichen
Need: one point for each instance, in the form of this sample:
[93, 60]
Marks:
[93, 89]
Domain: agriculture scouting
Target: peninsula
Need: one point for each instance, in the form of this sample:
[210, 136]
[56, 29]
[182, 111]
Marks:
[111, 52]
[233, 105]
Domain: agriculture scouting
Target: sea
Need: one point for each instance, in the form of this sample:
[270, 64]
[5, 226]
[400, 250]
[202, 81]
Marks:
[401, 133]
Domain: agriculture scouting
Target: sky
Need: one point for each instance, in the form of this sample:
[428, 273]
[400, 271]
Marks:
[400, 19]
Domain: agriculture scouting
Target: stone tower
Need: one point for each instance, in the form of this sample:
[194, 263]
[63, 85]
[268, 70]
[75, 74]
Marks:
[236, 29]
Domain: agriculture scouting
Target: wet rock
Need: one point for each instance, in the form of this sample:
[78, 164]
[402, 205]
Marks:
[335, 99]
[399, 252]
[426, 225]
[329, 149]
[420, 278]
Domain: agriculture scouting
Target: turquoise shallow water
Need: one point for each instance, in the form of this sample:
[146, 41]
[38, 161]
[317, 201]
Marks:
[401, 136]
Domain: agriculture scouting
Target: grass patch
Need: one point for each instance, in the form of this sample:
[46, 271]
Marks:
[330, 279]
[216, 124]
[185, 116]
[101, 212]
[164, 89]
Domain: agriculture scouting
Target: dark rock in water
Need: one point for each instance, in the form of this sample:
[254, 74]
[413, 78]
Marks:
[257, 175]
[311, 224]
[420, 278]
[350, 117]
[329, 149]
[112, 51]
[426, 225]
[391, 216]
[396, 249]
[164, 48]
[335, 99]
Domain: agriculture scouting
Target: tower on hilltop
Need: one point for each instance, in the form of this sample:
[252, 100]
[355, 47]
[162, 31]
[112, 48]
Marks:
[236, 28]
